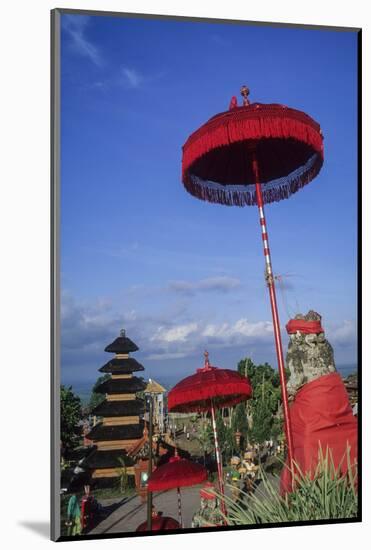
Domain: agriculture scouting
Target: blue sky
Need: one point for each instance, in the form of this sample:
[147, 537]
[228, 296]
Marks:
[139, 252]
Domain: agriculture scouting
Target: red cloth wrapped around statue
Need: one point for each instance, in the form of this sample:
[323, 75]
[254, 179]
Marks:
[321, 415]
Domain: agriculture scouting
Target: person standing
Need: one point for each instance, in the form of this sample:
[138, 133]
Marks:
[73, 517]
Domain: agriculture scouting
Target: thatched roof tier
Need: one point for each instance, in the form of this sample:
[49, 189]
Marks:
[123, 385]
[104, 482]
[114, 433]
[107, 459]
[119, 408]
[154, 387]
[122, 344]
[122, 366]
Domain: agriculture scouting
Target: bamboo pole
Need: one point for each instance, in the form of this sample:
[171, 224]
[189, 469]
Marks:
[275, 317]
[218, 458]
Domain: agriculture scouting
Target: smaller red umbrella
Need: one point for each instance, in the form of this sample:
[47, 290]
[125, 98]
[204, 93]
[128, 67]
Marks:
[159, 523]
[208, 389]
[178, 472]
[209, 386]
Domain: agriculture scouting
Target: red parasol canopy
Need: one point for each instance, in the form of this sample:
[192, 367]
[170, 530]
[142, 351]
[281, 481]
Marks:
[223, 386]
[160, 523]
[178, 472]
[218, 157]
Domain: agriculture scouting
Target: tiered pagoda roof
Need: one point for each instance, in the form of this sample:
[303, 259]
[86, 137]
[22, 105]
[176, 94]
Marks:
[122, 425]
[102, 432]
[122, 344]
[122, 366]
[131, 407]
[121, 385]
[107, 459]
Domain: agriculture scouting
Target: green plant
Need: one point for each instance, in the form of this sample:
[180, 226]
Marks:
[328, 494]
[262, 409]
[123, 475]
[71, 414]
[205, 436]
[239, 420]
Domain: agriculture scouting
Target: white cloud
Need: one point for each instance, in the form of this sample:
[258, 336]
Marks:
[88, 327]
[342, 334]
[175, 334]
[191, 339]
[241, 329]
[132, 77]
[167, 335]
[75, 26]
[165, 356]
[186, 339]
[210, 284]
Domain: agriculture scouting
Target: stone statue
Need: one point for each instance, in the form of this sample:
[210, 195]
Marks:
[309, 355]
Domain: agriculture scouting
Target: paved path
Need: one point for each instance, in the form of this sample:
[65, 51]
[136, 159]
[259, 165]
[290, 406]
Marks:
[129, 515]
[132, 513]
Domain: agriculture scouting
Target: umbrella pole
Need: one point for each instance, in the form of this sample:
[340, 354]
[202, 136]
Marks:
[276, 321]
[150, 457]
[180, 508]
[218, 458]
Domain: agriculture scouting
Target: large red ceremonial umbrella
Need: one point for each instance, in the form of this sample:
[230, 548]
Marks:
[178, 472]
[206, 390]
[251, 155]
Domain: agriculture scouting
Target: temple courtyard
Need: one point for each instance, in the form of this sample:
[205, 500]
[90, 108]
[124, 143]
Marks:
[132, 512]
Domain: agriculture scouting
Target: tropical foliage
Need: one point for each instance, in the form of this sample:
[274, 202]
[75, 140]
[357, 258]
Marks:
[123, 475]
[70, 416]
[239, 420]
[329, 494]
[226, 437]
[264, 406]
[205, 436]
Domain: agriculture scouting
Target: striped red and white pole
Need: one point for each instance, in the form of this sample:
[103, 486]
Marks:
[218, 459]
[180, 508]
[275, 317]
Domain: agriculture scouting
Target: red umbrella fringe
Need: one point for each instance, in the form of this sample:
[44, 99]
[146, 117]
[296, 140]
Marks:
[268, 121]
[210, 192]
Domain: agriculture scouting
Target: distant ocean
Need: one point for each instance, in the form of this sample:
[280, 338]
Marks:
[346, 370]
[83, 389]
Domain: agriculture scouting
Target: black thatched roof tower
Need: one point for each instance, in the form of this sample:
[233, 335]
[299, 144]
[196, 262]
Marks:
[122, 424]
